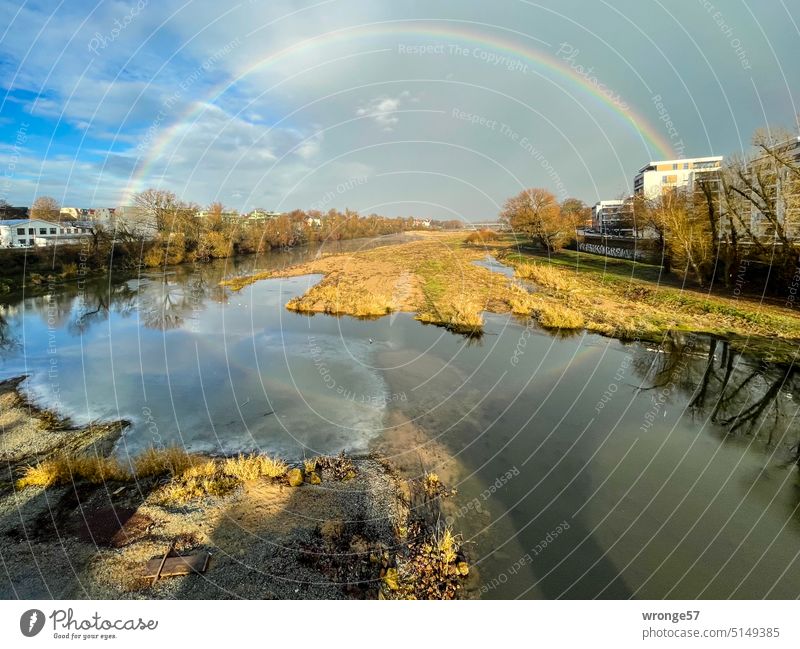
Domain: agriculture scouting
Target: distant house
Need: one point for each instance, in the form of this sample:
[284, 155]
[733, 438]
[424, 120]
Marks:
[100, 214]
[29, 233]
[227, 216]
[262, 215]
[313, 222]
[422, 223]
[74, 213]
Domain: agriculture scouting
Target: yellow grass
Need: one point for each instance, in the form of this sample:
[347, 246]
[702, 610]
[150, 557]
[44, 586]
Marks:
[544, 276]
[250, 467]
[520, 301]
[460, 313]
[156, 462]
[447, 545]
[329, 299]
[191, 476]
[65, 469]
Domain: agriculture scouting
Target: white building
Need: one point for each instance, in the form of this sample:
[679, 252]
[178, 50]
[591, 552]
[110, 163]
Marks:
[660, 175]
[27, 233]
[262, 215]
[613, 216]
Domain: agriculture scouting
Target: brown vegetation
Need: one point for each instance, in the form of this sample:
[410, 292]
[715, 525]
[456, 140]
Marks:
[479, 237]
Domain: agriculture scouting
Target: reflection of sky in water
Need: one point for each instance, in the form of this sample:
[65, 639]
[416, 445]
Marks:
[236, 376]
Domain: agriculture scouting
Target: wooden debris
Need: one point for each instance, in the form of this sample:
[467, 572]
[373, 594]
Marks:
[177, 566]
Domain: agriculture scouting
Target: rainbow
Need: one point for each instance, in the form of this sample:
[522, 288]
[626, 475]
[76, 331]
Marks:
[451, 31]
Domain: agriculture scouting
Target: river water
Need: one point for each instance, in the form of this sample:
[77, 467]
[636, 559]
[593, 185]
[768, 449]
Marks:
[585, 467]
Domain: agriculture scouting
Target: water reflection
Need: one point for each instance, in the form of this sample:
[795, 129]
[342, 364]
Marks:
[741, 396]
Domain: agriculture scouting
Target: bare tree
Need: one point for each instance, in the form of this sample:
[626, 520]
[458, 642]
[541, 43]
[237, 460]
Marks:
[45, 207]
[688, 239]
[158, 208]
[761, 194]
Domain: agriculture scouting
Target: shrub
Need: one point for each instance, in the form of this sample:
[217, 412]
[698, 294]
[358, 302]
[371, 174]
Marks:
[481, 236]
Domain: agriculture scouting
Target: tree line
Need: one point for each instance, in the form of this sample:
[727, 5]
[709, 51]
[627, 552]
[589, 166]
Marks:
[161, 229]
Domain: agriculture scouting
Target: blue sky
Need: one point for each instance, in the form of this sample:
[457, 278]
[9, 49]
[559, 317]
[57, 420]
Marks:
[434, 108]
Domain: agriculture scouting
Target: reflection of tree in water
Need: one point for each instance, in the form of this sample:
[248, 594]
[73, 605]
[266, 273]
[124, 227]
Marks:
[8, 340]
[93, 304]
[162, 300]
[738, 394]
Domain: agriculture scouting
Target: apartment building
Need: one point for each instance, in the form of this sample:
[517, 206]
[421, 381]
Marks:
[613, 217]
[661, 175]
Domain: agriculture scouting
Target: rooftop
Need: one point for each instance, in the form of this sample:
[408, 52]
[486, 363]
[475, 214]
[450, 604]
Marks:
[653, 163]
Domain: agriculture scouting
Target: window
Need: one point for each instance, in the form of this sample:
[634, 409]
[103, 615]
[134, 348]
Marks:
[52, 230]
[664, 179]
[20, 231]
[42, 230]
[675, 167]
[685, 165]
[31, 231]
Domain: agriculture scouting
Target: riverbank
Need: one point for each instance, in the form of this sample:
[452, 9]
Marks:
[437, 279]
[76, 523]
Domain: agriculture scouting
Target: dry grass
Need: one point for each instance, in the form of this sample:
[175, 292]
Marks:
[461, 314]
[201, 480]
[327, 298]
[434, 277]
[250, 467]
[639, 309]
[171, 460]
[66, 469]
[545, 276]
[557, 316]
[447, 545]
[520, 301]
[191, 476]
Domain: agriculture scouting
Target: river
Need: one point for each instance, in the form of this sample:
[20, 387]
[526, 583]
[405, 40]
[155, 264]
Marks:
[585, 467]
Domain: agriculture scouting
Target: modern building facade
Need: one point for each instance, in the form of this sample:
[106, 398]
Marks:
[29, 233]
[661, 175]
[613, 217]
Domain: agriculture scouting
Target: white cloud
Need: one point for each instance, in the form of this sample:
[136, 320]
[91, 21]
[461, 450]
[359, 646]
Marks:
[383, 110]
